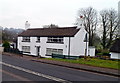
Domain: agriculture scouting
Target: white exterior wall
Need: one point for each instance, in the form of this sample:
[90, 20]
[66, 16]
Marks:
[19, 43]
[91, 51]
[77, 45]
[43, 45]
[115, 55]
[32, 44]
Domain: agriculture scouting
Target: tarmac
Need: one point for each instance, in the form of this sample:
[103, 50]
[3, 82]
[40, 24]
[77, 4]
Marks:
[101, 70]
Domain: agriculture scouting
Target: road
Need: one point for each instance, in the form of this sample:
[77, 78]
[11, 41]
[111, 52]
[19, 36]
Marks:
[20, 69]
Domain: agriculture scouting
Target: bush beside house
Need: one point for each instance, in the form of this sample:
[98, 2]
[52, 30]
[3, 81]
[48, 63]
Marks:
[7, 48]
[6, 44]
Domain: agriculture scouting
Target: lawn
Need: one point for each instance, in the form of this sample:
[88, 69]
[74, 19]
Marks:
[93, 62]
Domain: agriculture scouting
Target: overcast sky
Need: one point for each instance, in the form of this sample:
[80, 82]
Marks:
[14, 13]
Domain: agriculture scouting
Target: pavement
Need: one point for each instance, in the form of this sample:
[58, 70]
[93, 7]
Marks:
[107, 71]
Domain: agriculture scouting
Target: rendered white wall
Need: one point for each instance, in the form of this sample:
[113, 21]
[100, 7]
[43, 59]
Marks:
[115, 55]
[19, 40]
[77, 44]
[91, 51]
[43, 45]
[31, 44]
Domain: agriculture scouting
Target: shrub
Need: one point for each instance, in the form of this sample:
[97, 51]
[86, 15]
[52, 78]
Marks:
[106, 54]
[99, 53]
[106, 51]
[6, 44]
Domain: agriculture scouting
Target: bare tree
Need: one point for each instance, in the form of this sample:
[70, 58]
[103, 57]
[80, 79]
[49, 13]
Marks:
[50, 26]
[104, 23]
[113, 25]
[109, 21]
[10, 34]
[90, 21]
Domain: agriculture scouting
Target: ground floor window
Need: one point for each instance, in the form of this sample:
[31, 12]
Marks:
[26, 49]
[49, 51]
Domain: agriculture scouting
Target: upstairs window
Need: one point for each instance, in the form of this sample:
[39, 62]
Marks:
[55, 40]
[38, 39]
[26, 39]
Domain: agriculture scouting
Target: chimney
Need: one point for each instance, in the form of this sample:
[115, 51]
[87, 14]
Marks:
[27, 25]
[80, 22]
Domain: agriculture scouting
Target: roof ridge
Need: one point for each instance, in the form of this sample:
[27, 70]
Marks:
[45, 32]
[53, 28]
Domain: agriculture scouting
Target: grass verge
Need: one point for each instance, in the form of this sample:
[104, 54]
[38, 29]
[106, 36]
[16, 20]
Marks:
[114, 64]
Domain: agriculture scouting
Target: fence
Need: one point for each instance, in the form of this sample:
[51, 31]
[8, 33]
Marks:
[65, 56]
[11, 50]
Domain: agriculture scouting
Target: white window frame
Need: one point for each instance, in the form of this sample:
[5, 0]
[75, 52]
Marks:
[55, 39]
[50, 51]
[26, 39]
[26, 49]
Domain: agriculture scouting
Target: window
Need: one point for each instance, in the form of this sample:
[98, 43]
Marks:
[86, 39]
[80, 24]
[49, 51]
[60, 51]
[55, 40]
[26, 49]
[26, 39]
[38, 39]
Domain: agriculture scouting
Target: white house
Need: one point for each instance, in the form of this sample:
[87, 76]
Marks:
[58, 40]
[115, 50]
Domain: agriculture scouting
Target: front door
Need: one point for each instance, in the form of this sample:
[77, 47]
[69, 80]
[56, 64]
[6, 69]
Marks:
[38, 50]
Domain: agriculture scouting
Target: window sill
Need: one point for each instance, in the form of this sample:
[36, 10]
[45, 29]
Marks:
[47, 55]
[26, 52]
[25, 41]
[56, 42]
[37, 41]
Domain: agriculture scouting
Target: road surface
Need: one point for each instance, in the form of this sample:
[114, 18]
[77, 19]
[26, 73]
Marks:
[20, 69]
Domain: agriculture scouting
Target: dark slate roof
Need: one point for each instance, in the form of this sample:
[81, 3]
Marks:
[48, 32]
[116, 46]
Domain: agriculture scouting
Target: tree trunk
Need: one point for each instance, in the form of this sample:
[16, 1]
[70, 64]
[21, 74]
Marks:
[104, 35]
